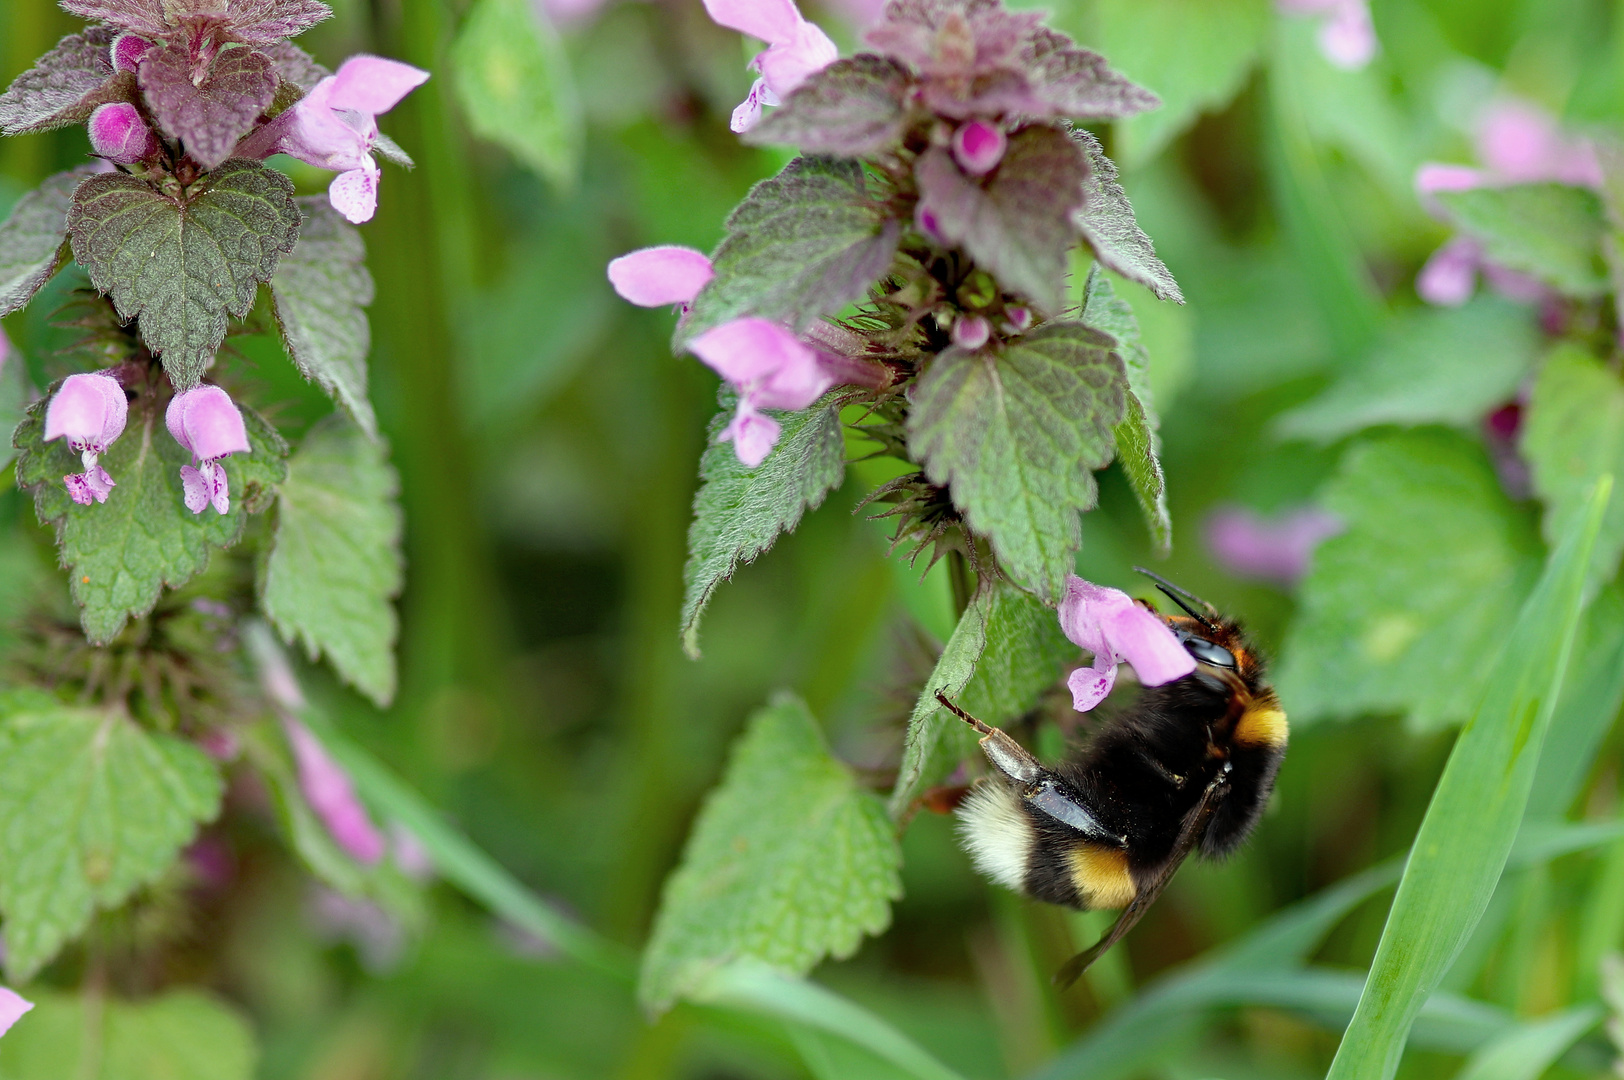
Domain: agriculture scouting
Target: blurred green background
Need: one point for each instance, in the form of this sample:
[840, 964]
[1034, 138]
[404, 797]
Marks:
[548, 442]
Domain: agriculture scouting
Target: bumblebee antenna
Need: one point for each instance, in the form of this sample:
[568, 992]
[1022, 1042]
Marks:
[1180, 596]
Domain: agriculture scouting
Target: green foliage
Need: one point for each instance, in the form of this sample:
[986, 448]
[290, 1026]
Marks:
[1108, 226]
[1527, 1050]
[207, 111]
[319, 291]
[1402, 612]
[1015, 431]
[180, 1035]
[1550, 231]
[515, 86]
[183, 264]
[334, 567]
[14, 395]
[91, 808]
[852, 108]
[802, 244]
[1472, 821]
[64, 86]
[789, 861]
[31, 239]
[739, 511]
[121, 554]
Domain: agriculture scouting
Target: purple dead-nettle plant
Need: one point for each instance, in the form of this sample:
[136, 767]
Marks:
[147, 454]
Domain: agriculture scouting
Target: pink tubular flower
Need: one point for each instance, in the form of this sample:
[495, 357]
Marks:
[1274, 549]
[657, 276]
[88, 410]
[118, 133]
[328, 790]
[206, 422]
[771, 368]
[1347, 37]
[12, 1007]
[796, 49]
[979, 146]
[1110, 625]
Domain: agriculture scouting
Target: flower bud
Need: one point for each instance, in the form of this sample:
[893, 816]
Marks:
[128, 49]
[971, 332]
[928, 224]
[979, 147]
[118, 133]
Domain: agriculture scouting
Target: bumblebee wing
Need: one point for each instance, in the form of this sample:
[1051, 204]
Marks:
[1195, 824]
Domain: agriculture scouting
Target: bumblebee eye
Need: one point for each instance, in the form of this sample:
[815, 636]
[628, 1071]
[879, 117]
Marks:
[1208, 653]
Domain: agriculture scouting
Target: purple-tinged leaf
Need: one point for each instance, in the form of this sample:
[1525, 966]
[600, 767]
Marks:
[1019, 223]
[182, 266]
[65, 85]
[31, 239]
[265, 22]
[1078, 83]
[209, 116]
[144, 17]
[954, 38]
[852, 108]
[294, 65]
[1108, 224]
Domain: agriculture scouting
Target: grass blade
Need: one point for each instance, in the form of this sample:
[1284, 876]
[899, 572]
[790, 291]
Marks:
[1527, 1050]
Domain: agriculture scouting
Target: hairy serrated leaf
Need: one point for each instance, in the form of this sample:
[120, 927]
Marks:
[1552, 232]
[91, 807]
[1108, 224]
[789, 862]
[144, 17]
[266, 22]
[855, 107]
[1078, 83]
[739, 511]
[210, 115]
[1138, 443]
[178, 1035]
[121, 554]
[1574, 433]
[183, 266]
[335, 566]
[32, 237]
[802, 244]
[1015, 432]
[64, 86]
[319, 292]
[1018, 224]
[294, 65]
[1399, 613]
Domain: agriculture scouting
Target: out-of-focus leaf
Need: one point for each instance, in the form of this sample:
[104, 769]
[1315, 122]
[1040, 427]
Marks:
[1015, 431]
[1402, 612]
[14, 395]
[789, 861]
[1591, 698]
[1444, 366]
[1549, 231]
[1575, 432]
[1529, 1048]
[31, 239]
[855, 107]
[1467, 834]
[208, 114]
[335, 566]
[515, 86]
[179, 1035]
[91, 807]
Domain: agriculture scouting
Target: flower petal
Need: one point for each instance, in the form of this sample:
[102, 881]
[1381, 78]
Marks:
[118, 133]
[1110, 625]
[328, 790]
[747, 114]
[205, 421]
[12, 1007]
[1083, 612]
[88, 409]
[657, 276]
[78, 488]
[770, 20]
[1090, 685]
[787, 65]
[1450, 275]
[1144, 640]
[194, 489]
[100, 484]
[752, 434]
[1348, 38]
[373, 84]
[764, 361]
[355, 193]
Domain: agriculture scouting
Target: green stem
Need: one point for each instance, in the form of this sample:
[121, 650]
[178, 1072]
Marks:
[958, 574]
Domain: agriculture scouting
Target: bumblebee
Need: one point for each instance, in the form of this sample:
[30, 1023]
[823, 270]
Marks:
[1190, 764]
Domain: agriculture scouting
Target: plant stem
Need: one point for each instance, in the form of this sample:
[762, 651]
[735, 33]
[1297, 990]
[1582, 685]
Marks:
[958, 573]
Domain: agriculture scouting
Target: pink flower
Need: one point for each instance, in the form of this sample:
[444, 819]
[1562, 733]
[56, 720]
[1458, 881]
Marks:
[328, 790]
[12, 1008]
[128, 50]
[1274, 549]
[206, 422]
[118, 133]
[796, 49]
[657, 276]
[771, 369]
[336, 124]
[88, 410]
[1450, 276]
[1347, 37]
[979, 146]
[971, 332]
[1521, 143]
[1110, 625]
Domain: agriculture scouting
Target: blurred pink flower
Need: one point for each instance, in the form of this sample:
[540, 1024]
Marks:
[1450, 276]
[979, 146]
[409, 854]
[1347, 37]
[12, 1008]
[206, 422]
[118, 133]
[1108, 623]
[657, 276]
[89, 410]
[328, 790]
[1276, 549]
[796, 49]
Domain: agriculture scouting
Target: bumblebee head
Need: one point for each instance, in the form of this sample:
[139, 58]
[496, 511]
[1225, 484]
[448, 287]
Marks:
[1212, 639]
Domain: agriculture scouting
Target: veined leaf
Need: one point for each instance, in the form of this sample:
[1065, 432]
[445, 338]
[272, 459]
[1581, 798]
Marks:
[65, 85]
[853, 108]
[210, 114]
[31, 239]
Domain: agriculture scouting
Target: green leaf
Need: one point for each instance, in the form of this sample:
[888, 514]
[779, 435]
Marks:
[1573, 434]
[789, 862]
[335, 565]
[1528, 1049]
[121, 554]
[31, 239]
[14, 394]
[1016, 224]
[1550, 231]
[91, 807]
[802, 244]
[1401, 612]
[1138, 444]
[515, 86]
[1472, 821]
[319, 292]
[1439, 365]
[1591, 698]
[1015, 432]
[739, 511]
[183, 264]
[855, 107]
[1107, 223]
[180, 1035]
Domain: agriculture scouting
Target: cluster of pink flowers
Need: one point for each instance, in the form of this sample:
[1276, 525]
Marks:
[1115, 628]
[90, 410]
[1347, 37]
